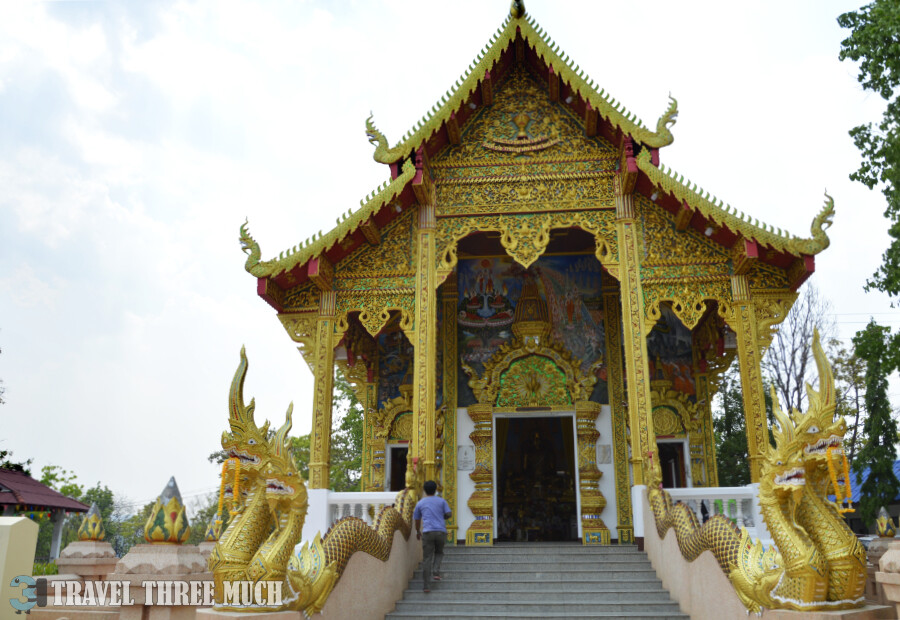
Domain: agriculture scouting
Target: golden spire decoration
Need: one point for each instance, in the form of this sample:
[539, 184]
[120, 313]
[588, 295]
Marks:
[91, 527]
[168, 521]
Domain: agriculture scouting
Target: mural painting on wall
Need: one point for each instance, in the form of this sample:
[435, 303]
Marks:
[395, 363]
[669, 349]
[489, 289]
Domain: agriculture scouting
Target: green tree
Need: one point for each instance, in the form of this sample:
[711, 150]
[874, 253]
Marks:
[6, 462]
[730, 429]
[346, 439]
[874, 43]
[850, 389]
[881, 486]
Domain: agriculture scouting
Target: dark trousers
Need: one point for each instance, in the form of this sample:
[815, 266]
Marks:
[433, 552]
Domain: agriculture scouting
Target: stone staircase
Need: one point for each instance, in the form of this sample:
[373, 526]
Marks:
[540, 580]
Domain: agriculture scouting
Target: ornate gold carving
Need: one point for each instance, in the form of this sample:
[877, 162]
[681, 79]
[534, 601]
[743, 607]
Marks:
[449, 342]
[594, 530]
[742, 319]
[303, 297]
[487, 387]
[683, 412]
[612, 323]
[523, 236]
[323, 374]
[531, 381]
[481, 502]
[772, 308]
[643, 438]
[301, 327]
[425, 338]
[385, 417]
[375, 308]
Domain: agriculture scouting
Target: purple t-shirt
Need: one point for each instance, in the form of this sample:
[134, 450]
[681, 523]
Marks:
[431, 509]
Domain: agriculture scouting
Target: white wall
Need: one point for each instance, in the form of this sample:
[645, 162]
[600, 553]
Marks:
[465, 487]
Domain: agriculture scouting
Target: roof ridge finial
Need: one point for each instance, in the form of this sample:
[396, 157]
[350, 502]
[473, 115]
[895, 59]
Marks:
[517, 9]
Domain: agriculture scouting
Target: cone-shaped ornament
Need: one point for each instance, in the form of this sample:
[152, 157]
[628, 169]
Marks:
[168, 521]
[91, 527]
[884, 524]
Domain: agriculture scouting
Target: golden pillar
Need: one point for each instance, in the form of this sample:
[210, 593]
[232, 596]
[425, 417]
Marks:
[612, 325]
[593, 529]
[369, 393]
[704, 404]
[423, 435]
[323, 373]
[450, 300]
[637, 372]
[481, 502]
[743, 321]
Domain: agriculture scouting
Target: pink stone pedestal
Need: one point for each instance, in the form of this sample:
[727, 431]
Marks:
[152, 562]
[874, 590]
[89, 559]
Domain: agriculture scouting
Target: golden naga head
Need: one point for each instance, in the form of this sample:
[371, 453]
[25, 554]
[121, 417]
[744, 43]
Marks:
[246, 441]
[168, 521]
[285, 488]
[817, 431]
[783, 467]
[91, 527]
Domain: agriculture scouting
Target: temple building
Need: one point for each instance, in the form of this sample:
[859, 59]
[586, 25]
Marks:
[533, 307]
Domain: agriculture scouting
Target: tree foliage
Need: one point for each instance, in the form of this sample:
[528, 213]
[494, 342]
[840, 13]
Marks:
[850, 389]
[788, 363]
[346, 439]
[730, 429]
[881, 486]
[7, 462]
[874, 43]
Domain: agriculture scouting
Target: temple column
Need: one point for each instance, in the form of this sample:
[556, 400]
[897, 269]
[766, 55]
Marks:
[704, 403]
[593, 529]
[637, 372]
[450, 299]
[368, 401]
[612, 321]
[422, 441]
[481, 502]
[743, 321]
[323, 392]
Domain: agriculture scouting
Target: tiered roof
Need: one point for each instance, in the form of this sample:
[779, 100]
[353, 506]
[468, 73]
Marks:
[521, 39]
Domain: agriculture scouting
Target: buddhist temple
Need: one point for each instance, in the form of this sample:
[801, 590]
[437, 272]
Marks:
[533, 308]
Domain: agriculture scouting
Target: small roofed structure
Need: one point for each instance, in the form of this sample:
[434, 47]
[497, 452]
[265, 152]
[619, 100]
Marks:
[20, 493]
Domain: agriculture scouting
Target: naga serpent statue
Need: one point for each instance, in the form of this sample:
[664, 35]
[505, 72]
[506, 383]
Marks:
[260, 542]
[818, 564]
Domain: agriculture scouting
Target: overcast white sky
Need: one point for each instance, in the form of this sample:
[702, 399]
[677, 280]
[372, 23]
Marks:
[136, 137]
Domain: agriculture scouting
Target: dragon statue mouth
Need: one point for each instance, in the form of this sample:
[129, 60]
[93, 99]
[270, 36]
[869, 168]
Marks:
[821, 446]
[277, 487]
[792, 478]
[244, 457]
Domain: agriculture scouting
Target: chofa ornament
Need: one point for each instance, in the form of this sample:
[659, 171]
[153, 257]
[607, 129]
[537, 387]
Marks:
[819, 564]
[168, 521]
[91, 527]
[271, 504]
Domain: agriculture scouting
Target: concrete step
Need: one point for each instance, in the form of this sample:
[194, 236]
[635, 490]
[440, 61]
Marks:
[518, 608]
[540, 580]
[573, 585]
[440, 593]
[512, 573]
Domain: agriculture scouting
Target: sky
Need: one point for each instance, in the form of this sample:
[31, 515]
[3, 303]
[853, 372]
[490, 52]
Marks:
[136, 137]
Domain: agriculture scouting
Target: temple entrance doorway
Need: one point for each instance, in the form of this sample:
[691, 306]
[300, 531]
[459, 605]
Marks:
[396, 467]
[673, 463]
[536, 482]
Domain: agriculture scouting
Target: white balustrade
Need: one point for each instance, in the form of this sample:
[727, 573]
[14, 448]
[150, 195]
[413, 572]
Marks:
[365, 506]
[739, 504]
